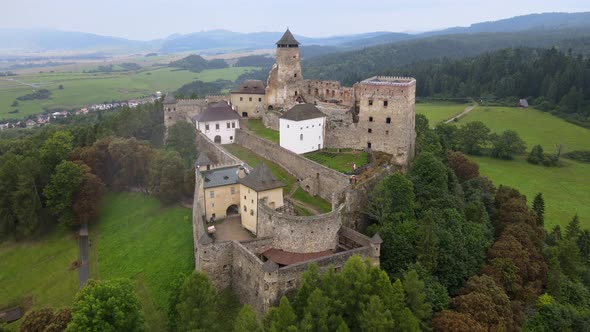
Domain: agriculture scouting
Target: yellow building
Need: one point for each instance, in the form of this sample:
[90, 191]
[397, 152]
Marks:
[221, 192]
[259, 184]
[248, 99]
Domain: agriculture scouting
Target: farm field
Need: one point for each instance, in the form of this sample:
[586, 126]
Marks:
[340, 161]
[566, 189]
[437, 112]
[136, 237]
[257, 127]
[252, 159]
[39, 273]
[84, 89]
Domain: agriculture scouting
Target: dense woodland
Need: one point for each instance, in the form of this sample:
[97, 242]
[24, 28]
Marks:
[197, 63]
[57, 174]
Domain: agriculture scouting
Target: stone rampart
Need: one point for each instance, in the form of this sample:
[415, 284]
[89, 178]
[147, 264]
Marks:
[247, 277]
[270, 119]
[215, 152]
[298, 233]
[327, 180]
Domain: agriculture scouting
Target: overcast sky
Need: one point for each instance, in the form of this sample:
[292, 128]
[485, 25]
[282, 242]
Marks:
[150, 19]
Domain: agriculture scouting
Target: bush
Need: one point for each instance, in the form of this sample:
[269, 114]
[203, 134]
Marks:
[538, 157]
[579, 155]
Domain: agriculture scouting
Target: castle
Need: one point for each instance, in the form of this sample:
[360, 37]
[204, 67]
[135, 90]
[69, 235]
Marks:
[245, 236]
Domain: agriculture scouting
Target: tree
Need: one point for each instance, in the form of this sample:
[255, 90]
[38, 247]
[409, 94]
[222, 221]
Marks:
[452, 321]
[464, 168]
[87, 196]
[536, 156]
[473, 136]
[375, 317]
[583, 243]
[427, 246]
[539, 208]
[246, 321]
[14, 103]
[181, 138]
[416, 297]
[106, 305]
[197, 308]
[60, 191]
[506, 145]
[281, 318]
[57, 147]
[61, 87]
[392, 199]
[166, 176]
[572, 231]
[431, 182]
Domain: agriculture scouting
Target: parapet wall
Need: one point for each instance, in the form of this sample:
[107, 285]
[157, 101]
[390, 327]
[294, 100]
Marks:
[215, 152]
[247, 277]
[326, 180]
[297, 233]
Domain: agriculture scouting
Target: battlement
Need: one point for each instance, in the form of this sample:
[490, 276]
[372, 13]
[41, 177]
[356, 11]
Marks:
[390, 80]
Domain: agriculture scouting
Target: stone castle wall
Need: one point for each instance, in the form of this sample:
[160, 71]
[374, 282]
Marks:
[324, 180]
[300, 234]
[248, 277]
[216, 153]
[270, 119]
[324, 91]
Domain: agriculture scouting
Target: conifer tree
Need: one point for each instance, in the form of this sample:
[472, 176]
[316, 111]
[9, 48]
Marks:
[539, 208]
[246, 321]
[374, 316]
[572, 231]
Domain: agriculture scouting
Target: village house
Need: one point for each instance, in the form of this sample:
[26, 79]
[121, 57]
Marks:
[302, 129]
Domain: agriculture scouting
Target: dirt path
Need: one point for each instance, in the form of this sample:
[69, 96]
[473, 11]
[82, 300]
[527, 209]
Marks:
[465, 112]
[83, 273]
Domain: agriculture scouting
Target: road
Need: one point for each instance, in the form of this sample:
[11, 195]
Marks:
[467, 110]
[83, 273]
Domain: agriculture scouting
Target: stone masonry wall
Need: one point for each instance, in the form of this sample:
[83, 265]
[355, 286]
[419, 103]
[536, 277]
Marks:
[247, 277]
[328, 180]
[270, 119]
[216, 153]
[297, 233]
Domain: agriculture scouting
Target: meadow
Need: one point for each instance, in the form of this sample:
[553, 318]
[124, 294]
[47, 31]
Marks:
[566, 189]
[437, 112]
[136, 237]
[341, 160]
[257, 127]
[84, 89]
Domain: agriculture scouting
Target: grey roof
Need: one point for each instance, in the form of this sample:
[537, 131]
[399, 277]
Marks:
[261, 179]
[250, 87]
[270, 266]
[376, 239]
[220, 177]
[301, 112]
[203, 160]
[217, 112]
[287, 39]
[169, 99]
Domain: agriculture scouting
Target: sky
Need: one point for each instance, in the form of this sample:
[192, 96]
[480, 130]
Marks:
[152, 19]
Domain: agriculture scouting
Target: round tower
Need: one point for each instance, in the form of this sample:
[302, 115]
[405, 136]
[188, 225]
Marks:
[284, 80]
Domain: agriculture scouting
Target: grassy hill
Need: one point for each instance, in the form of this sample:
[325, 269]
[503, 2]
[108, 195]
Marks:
[566, 189]
[437, 112]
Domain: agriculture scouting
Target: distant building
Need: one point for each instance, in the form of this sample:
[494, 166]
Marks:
[218, 122]
[523, 103]
[31, 123]
[248, 99]
[302, 129]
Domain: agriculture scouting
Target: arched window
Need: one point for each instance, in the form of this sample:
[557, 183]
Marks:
[301, 137]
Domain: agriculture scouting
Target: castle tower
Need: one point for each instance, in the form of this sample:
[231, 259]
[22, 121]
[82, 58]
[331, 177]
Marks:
[387, 113]
[285, 84]
[170, 115]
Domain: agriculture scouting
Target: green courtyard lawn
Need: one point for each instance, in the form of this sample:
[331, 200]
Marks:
[340, 160]
[566, 189]
[257, 127]
[138, 238]
[39, 273]
[534, 126]
[437, 112]
[253, 159]
[83, 89]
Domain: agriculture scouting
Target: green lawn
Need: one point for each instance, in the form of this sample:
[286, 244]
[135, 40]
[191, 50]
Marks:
[340, 161]
[439, 111]
[535, 127]
[83, 89]
[257, 127]
[136, 237]
[253, 159]
[317, 202]
[39, 273]
[566, 189]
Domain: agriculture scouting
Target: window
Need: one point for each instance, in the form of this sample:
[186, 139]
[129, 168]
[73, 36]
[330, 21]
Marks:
[241, 98]
[228, 124]
[370, 102]
[251, 212]
[370, 130]
[250, 99]
[252, 201]
[233, 124]
[231, 138]
[296, 92]
[245, 208]
[387, 132]
[388, 120]
[206, 127]
[320, 125]
[259, 99]
[370, 119]
[385, 103]
[211, 194]
[217, 126]
[244, 196]
[369, 145]
[301, 137]
[287, 126]
[295, 73]
[232, 190]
